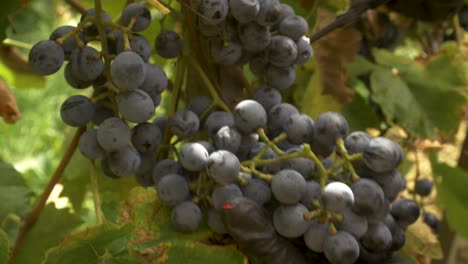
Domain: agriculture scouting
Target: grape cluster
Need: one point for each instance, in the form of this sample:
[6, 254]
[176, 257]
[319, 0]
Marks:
[265, 34]
[335, 191]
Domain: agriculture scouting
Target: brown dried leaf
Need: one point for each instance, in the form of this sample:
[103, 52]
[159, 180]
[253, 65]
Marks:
[331, 52]
[8, 107]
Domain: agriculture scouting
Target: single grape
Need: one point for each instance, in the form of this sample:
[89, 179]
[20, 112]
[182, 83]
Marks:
[352, 223]
[244, 11]
[86, 64]
[138, 44]
[286, 10]
[140, 13]
[70, 43]
[89, 146]
[227, 138]
[341, 248]
[405, 212]
[165, 167]
[304, 51]
[316, 235]
[383, 155]
[377, 238]
[329, 127]
[77, 110]
[254, 37]
[288, 186]
[168, 44]
[146, 137]
[186, 216]
[216, 120]
[357, 142]
[125, 161]
[293, 26]
[223, 166]
[135, 106]
[267, 97]
[432, 221]
[173, 189]
[215, 10]
[193, 156]
[184, 123]
[278, 115]
[337, 196]
[369, 198]
[398, 233]
[249, 116]
[269, 14]
[312, 192]
[392, 184]
[113, 134]
[280, 77]
[73, 81]
[199, 104]
[282, 51]
[258, 191]
[128, 71]
[289, 220]
[299, 128]
[423, 187]
[46, 57]
[155, 81]
[223, 194]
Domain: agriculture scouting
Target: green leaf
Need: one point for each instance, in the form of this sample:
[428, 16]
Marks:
[360, 66]
[405, 66]
[14, 193]
[75, 181]
[53, 224]
[198, 253]
[8, 7]
[360, 114]
[452, 194]
[93, 245]
[417, 108]
[147, 234]
[4, 247]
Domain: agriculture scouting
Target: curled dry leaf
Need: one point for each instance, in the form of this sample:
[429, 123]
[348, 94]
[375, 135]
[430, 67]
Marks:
[8, 108]
[331, 53]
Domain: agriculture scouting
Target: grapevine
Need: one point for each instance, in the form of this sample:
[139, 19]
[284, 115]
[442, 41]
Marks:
[247, 160]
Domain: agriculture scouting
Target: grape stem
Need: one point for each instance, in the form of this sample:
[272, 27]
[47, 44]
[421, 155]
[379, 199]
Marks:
[31, 217]
[95, 191]
[213, 92]
[16, 43]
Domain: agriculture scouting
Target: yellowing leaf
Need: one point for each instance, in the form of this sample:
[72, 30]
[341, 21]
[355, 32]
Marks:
[314, 102]
[420, 239]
